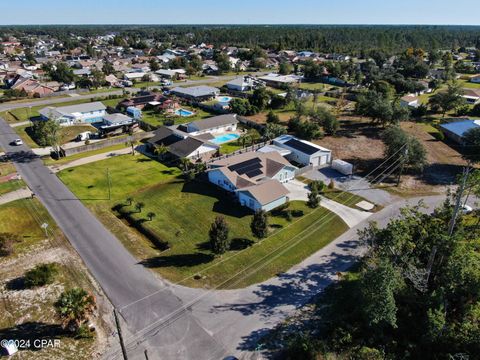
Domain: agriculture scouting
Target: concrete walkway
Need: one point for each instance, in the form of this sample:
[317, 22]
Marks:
[21, 123]
[90, 159]
[352, 217]
[15, 195]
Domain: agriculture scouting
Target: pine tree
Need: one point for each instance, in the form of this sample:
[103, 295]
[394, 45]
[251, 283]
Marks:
[259, 224]
[218, 234]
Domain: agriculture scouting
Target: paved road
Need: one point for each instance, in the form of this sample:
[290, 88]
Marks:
[121, 277]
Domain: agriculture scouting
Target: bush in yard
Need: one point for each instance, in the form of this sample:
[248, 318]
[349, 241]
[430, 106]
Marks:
[317, 186]
[74, 308]
[259, 224]
[7, 240]
[41, 275]
[218, 234]
[272, 118]
[331, 185]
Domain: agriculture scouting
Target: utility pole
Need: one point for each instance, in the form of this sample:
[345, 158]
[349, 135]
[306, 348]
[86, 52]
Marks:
[109, 186]
[404, 158]
[466, 172]
[122, 344]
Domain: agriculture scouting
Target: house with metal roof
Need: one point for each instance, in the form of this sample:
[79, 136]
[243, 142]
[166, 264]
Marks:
[212, 125]
[196, 93]
[303, 152]
[92, 112]
[456, 130]
[255, 178]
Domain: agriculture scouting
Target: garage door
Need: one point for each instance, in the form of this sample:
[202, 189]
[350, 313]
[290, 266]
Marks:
[320, 160]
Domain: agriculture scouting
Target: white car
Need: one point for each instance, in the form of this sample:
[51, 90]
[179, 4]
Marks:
[17, 142]
[466, 209]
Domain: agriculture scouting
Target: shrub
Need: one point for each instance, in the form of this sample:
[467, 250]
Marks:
[317, 186]
[313, 199]
[7, 240]
[331, 186]
[41, 275]
[83, 332]
[440, 136]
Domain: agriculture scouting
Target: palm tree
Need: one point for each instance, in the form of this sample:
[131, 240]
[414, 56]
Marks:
[132, 143]
[150, 216]
[160, 151]
[74, 307]
[139, 206]
[185, 164]
[253, 135]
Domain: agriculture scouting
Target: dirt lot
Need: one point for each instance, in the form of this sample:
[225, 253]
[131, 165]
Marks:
[356, 142]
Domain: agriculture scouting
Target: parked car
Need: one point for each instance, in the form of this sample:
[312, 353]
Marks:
[17, 142]
[84, 136]
[467, 209]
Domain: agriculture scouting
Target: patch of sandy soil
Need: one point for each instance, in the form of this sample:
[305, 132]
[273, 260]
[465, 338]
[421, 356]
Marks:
[31, 311]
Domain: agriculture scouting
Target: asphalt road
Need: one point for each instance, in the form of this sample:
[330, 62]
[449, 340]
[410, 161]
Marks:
[123, 280]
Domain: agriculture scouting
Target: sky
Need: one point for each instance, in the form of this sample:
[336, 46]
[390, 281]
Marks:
[448, 12]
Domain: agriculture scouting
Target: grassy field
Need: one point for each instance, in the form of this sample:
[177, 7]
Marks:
[183, 214]
[128, 175]
[66, 134]
[24, 217]
[7, 168]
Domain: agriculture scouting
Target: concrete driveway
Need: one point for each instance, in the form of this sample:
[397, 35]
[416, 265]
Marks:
[352, 217]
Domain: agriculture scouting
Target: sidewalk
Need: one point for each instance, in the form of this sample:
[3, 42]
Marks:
[15, 195]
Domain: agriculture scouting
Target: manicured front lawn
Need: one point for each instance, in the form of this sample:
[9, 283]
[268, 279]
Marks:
[128, 175]
[184, 213]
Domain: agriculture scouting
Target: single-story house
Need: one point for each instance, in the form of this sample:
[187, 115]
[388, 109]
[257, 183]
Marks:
[255, 178]
[31, 86]
[410, 101]
[92, 112]
[471, 96]
[182, 145]
[243, 83]
[196, 93]
[140, 101]
[303, 152]
[212, 125]
[455, 130]
[117, 123]
[280, 81]
[82, 72]
[134, 76]
[170, 74]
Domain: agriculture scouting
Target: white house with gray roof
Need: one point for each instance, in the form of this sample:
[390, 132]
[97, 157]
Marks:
[213, 125]
[92, 112]
[196, 93]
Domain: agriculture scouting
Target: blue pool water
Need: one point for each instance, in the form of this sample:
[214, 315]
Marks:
[224, 99]
[225, 138]
[183, 112]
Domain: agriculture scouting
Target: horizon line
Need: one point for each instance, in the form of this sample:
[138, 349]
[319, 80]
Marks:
[240, 24]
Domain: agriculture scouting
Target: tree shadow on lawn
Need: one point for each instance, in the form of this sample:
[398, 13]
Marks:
[225, 204]
[31, 331]
[180, 260]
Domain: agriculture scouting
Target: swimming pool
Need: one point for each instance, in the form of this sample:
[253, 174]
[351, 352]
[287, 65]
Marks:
[224, 99]
[225, 138]
[183, 112]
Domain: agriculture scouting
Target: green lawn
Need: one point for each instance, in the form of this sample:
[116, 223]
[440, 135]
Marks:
[24, 217]
[128, 175]
[313, 86]
[50, 161]
[7, 168]
[183, 214]
[10, 186]
[230, 147]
